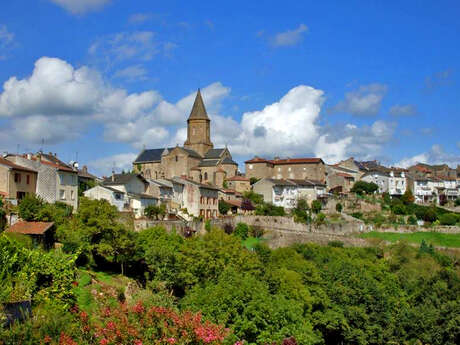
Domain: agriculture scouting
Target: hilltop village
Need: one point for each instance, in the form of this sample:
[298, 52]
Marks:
[189, 181]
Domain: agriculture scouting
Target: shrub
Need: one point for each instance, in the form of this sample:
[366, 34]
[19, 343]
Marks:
[457, 202]
[207, 225]
[316, 206]
[223, 207]
[154, 212]
[357, 215]
[246, 205]
[267, 209]
[430, 215]
[253, 180]
[398, 209]
[411, 220]
[320, 218]
[337, 244]
[407, 198]
[254, 197]
[241, 230]
[386, 198]
[448, 219]
[228, 228]
[256, 231]
[363, 187]
[338, 207]
[30, 207]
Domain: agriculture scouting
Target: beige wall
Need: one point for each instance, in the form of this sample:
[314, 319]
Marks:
[4, 173]
[259, 170]
[209, 203]
[230, 169]
[239, 186]
[181, 165]
[7, 184]
[67, 186]
[199, 136]
[152, 170]
[312, 171]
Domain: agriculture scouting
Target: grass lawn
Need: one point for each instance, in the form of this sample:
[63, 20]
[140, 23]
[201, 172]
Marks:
[250, 242]
[435, 238]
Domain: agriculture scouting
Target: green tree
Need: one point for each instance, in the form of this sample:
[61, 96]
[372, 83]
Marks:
[363, 187]
[223, 207]
[254, 197]
[30, 207]
[448, 219]
[338, 207]
[457, 202]
[408, 198]
[242, 230]
[155, 212]
[316, 206]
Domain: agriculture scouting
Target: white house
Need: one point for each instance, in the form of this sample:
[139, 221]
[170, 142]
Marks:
[391, 182]
[113, 196]
[286, 192]
[422, 188]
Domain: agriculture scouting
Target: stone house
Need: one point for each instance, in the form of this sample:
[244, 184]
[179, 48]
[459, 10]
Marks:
[161, 189]
[286, 192]
[340, 179]
[240, 184]
[197, 159]
[440, 170]
[421, 188]
[290, 168]
[16, 181]
[55, 182]
[196, 198]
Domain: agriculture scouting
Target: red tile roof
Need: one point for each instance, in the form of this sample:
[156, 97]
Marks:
[236, 203]
[30, 228]
[14, 166]
[238, 178]
[286, 161]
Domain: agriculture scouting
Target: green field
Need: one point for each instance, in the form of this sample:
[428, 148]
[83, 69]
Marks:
[435, 238]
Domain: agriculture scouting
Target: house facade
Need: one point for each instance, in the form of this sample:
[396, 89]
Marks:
[16, 181]
[286, 192]
[391, 182]
[114, 196]
[55, 182]
[240, 184]
[290, 168]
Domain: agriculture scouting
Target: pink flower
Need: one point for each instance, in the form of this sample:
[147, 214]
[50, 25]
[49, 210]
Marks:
[138, 342]
[171, 340]
[103, 341]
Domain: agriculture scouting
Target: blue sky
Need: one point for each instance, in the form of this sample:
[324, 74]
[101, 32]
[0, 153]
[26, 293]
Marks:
[104, 78]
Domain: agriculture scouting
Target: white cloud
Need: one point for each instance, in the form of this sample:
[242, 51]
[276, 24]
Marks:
[436, 155]
[119, 162]
[364, 101]
[139, 18]
[132, 73]
[403, 110]
[289, 37]
[81, 6]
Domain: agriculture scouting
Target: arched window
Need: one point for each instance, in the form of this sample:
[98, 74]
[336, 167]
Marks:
[205, 176]
[147, 173]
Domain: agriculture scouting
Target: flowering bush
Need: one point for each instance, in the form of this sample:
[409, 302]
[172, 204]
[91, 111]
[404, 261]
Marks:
[140, 325]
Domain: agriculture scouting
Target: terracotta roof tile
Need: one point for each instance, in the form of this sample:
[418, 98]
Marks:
[238, 178]
[30, 228]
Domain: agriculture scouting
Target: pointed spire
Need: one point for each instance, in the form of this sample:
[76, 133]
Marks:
[198, 109]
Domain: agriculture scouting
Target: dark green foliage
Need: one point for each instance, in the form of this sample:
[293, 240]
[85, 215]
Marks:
[256, 199]
[407, 198]
[316, 206]
[386, 198]
[267, 209]
[84, 186]
[358, 215]
[338, 207]
[253, 180]
[320, 218]
[301, 212]
[411, 220]
[207, 225]
[457, 202]
[337, 244]
[223, 207]
[363, 187]
[448, 219]
[155, 212]
[242, 230]
[398, 209]
[430, 215]
[30, 206]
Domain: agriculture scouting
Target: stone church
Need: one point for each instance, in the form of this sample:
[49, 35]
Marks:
[197, 159]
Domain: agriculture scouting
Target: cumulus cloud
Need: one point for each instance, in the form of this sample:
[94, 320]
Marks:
[118, 162]
[365, 101]
[403, 110]
[81, 6]
[436, 155]
[289, 37]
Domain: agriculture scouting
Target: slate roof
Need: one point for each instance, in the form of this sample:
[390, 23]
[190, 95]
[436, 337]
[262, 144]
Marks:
[122, 179]
[228, 160]
[214, 154]
[192, 153]
[150, 155]
[30, 228]
[198, 109]
[208, 163]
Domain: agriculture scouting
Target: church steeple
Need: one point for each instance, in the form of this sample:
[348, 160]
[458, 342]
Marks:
[198, 109]
[199, 128]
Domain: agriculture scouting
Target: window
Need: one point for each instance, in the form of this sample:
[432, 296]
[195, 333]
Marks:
[28, 179]
[62, 194]
[250, 166]
[72, 196]
[177, 159]
[17, 177]
[20, 195]
[205, 176]
[117, 196]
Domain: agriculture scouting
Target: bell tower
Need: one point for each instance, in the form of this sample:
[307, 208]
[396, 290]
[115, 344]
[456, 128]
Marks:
[199, 128]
